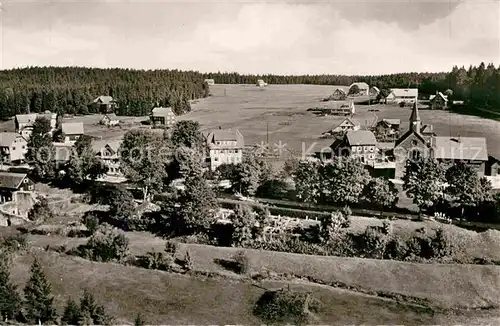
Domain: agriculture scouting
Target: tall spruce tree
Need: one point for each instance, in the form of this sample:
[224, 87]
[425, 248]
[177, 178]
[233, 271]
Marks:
[39, 302]
[10, 301]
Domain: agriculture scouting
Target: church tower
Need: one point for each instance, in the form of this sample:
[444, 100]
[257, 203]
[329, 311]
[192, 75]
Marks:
[415, 123]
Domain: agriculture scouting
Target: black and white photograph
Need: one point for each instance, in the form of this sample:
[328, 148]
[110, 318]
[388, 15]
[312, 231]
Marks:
[250, 162]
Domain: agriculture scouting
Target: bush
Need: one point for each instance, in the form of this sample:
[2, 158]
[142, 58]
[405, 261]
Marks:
[442, 245]
[171, 248]
[156, 260]
[91, 221]
[16, 242]
[286, 307]
[242, 262]
[288, 243]
[106, 244]
[373, 243]
[40, 211]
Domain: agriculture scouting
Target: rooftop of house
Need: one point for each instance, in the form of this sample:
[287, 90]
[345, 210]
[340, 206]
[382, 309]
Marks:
[392, 121]
[361, 137]
[375, 88]
[341, 90]
[460, 148]
[114, 145]
[31, 117]
[399, 92]
[72, 128]
[161, 111]
[7, 138]
[385, 145]
[351, 121]
[110, 116]
[439, 94]
[226, 135]
[361, 85]
[11, 180]
[104, 99]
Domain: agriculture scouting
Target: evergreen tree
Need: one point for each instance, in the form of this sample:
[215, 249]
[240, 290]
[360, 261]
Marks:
[10, 301]
[38, 297]
[71, 315]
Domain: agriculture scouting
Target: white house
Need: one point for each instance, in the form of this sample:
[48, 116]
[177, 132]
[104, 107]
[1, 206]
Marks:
[109, 119]
[226, 147]
[363, 87]
[13, 147]
[210, 81]
[398, 95]
[72, 131]
[346, 125]
[24, 122]
[261, 83]
[108, 152]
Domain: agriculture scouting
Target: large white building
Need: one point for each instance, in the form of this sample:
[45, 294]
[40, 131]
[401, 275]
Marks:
[108, 152]
[13, 147]
[225, 146]
[398, 95]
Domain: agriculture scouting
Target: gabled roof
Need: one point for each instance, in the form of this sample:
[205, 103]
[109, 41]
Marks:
[161, 111]
[460, 148]
[361, 85]
[392, 121]
[104, 99]
[11, 180]
[340, 90]
[427, 129]
[351, 121]
[361, 137]
[26, 118]
[376, 89]
[7, 138]
[114, 145]
[444, 97]
[408, 134]
[226, 135]
[110, 116]
[72, 128]
[398, 92]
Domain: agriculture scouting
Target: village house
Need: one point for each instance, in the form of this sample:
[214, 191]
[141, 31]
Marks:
[72, 131]
[344, 109]
[225, 146]
[162, 117]
[104, 104]
[387, 129]
[261, 83]
[438, 101]
[358, 144]
[346, 125]
[109, 119]
[364, 88]
[13, 147]
[24, 122]
[374, 91]
[209, 81]
[10, 183]
[406, 95]
[338, 95]
[108, 152]
[493, 167]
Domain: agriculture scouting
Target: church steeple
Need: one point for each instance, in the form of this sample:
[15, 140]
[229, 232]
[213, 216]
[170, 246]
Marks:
[415, 123]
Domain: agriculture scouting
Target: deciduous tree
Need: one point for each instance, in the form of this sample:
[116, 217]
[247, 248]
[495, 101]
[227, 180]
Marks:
[381, 192]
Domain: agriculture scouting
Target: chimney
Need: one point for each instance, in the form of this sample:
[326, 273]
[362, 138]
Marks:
[437, 92]
[220, 127]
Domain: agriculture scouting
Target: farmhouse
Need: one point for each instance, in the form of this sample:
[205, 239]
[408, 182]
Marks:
[24, 122]
[363, 88]
[104, 104]
[338, 95]
[261, 83]
[209, 81]
[438, 101]
[406, 95]
[10, 183]
[162, 117]
[108, 152]
[347, 125]
[13, 147]
[359, 144]
[109, 119]
[374, 91]
[338, 109]
[72, 131]
[226, 147]
[388, 126]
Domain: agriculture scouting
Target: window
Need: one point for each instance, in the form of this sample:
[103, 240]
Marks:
[372, 148]
[415, 155]
[216, 159]
[25, 180]
[14, 148]
[23, 147]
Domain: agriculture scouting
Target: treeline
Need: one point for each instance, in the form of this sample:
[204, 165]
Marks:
[71, 89]
[478, 86]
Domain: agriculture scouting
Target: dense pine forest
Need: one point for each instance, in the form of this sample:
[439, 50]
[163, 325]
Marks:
[72, 89]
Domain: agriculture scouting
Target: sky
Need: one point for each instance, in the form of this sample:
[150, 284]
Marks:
[259, 37]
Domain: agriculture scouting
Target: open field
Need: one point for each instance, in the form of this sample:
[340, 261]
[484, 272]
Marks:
[284, 107]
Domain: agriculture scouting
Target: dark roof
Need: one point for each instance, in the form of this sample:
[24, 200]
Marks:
[361, 137]
[392, 121]
[460, 148]
[11, 180]
[415, 116]
[408, 134]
